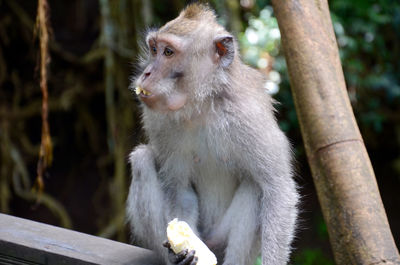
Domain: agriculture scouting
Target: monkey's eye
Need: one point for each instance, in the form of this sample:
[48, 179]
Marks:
[153, 50]
[168, 52]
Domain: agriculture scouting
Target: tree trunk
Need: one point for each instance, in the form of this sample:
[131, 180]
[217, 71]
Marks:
[357, 224]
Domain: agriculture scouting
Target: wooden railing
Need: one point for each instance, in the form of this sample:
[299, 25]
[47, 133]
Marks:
[27, 242]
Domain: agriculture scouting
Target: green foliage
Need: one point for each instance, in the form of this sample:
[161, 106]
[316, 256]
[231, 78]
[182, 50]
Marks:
[312, 256]
[261, 48]
[262, 35]
[322, 229]
[368, 35]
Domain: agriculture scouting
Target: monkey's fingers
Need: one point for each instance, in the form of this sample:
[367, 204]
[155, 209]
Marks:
[166, 244]
[194, 261]
[190, 259]
[175, 258]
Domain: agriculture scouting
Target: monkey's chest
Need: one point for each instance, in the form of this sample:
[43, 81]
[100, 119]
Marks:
[204, 157]
[215, 185]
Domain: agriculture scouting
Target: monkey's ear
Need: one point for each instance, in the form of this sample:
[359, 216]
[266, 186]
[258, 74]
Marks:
[225, 49]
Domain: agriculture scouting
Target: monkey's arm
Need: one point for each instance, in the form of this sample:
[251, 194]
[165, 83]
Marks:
[268, 160]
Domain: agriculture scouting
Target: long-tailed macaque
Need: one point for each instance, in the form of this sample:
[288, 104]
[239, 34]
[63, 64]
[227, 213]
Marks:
[215, 157]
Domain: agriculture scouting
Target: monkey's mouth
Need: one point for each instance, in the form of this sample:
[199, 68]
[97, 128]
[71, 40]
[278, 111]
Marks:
[141, 92]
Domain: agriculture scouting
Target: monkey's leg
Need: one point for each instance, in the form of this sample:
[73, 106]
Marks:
[240, 226]
[147, 208]
[150, 207]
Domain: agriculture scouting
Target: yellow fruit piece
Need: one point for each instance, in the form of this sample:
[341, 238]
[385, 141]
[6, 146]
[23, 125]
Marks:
[138, 90]
[181, 237]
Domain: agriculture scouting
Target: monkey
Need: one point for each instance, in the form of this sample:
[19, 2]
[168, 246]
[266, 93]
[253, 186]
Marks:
[216, 157]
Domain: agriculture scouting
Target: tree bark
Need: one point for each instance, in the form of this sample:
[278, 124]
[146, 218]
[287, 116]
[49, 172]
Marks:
[348, 193]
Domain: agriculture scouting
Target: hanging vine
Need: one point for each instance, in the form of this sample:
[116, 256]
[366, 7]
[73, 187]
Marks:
[46, 149]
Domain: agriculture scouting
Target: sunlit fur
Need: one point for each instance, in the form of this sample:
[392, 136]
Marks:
[220, 163]
[142, 59]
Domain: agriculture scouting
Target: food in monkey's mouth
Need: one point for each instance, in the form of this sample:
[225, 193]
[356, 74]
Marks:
[141, 91]
[181, 237]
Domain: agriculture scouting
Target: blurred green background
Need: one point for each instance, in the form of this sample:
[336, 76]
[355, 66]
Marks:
[95, 121]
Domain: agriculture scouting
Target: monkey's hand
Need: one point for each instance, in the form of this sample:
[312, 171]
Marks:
[184, 257]
[181, 237]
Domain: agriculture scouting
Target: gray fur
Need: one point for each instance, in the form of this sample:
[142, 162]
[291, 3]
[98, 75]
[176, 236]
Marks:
[220, 163]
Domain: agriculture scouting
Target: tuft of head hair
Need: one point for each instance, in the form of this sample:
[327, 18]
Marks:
[198, 11]
[190, 18]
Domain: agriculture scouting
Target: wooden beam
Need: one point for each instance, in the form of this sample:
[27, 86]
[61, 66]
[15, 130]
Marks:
[27, 242]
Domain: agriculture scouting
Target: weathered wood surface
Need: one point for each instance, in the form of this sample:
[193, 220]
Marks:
[27, 242]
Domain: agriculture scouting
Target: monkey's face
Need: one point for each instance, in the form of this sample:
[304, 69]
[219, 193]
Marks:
[159, 86]
[187, 59]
